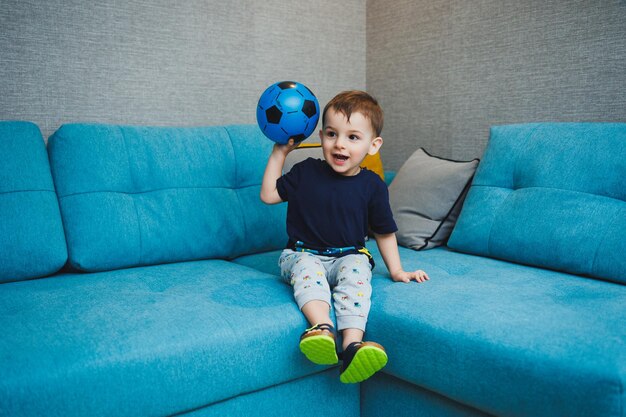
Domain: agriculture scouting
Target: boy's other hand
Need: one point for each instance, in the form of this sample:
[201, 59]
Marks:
[402, 276]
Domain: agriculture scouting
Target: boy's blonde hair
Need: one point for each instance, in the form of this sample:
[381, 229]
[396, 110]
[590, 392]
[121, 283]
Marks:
[348, 102]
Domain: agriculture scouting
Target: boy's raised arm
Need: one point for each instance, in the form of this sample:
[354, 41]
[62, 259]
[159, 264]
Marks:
[273, 171]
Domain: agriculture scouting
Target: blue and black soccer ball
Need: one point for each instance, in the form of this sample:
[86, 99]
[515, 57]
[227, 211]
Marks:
[287, 109]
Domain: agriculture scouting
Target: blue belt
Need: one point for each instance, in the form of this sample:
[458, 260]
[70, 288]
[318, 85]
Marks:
[299, 247]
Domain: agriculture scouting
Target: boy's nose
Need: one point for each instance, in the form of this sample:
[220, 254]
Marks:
[339, 143]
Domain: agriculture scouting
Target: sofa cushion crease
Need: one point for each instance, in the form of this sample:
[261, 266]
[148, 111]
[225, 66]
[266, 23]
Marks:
[386, 395]
[283, 399]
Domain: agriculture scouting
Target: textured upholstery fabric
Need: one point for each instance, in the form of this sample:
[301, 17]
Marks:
[32, 243]
[386, 396]
[510, 340]
[550, 195]
[330, 398]
[155, 340]
[134, 196]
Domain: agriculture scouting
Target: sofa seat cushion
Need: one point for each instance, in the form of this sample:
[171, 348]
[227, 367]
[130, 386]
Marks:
[504, 338]
[145, 341]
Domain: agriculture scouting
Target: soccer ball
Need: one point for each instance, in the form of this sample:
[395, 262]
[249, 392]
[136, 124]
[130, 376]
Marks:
[287, 109]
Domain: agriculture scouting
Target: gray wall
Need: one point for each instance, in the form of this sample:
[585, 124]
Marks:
[446, 70]
[192, 62]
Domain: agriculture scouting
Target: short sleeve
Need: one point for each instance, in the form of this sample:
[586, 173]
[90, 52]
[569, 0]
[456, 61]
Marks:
[288, 183]
[380, 215]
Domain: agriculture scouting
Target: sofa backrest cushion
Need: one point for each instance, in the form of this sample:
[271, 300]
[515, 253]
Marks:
[133, 195]
[551, 195]
[32, 243]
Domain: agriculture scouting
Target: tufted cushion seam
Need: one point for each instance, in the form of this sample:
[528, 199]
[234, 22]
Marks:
[26, 191]
[242, 214]
[134, 185]
[154, 190]
[519, 155]
[596, 253]
[499, 209]
[549, 188]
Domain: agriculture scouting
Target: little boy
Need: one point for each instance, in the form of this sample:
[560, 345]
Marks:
[332, 204]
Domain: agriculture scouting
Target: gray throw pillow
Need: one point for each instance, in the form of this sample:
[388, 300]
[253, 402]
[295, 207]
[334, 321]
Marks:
[426, 197]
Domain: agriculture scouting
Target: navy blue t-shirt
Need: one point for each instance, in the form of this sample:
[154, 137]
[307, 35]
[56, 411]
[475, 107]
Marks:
[326, 209]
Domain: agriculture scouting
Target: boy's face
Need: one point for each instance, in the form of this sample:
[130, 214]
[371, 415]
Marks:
[346, 143]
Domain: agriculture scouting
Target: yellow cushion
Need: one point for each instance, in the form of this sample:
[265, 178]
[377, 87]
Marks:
[371, 162]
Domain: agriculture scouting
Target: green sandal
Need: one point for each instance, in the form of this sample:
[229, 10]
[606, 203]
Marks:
[361, 360]
[318, 344]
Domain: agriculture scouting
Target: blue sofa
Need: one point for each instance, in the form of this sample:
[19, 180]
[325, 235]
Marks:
[138, 276]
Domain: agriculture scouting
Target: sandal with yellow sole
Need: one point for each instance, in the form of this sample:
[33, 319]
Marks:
[318, 344]
[361, 360]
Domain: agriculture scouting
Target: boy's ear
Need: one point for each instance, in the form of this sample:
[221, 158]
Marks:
[375, 145]
[321, 135]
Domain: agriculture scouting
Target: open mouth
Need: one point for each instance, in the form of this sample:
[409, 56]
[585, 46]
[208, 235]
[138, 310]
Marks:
[340, 158]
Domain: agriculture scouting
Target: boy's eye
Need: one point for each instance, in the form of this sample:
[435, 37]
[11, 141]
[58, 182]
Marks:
[331, 134]
[354, 137]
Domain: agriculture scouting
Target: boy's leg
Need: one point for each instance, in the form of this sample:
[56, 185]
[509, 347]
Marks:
[307, 275]
[317, 312]
[351, 276]
[350, 336]
[352, 296]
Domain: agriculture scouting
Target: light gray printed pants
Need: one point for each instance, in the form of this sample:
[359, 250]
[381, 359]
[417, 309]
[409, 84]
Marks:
[316, 277]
